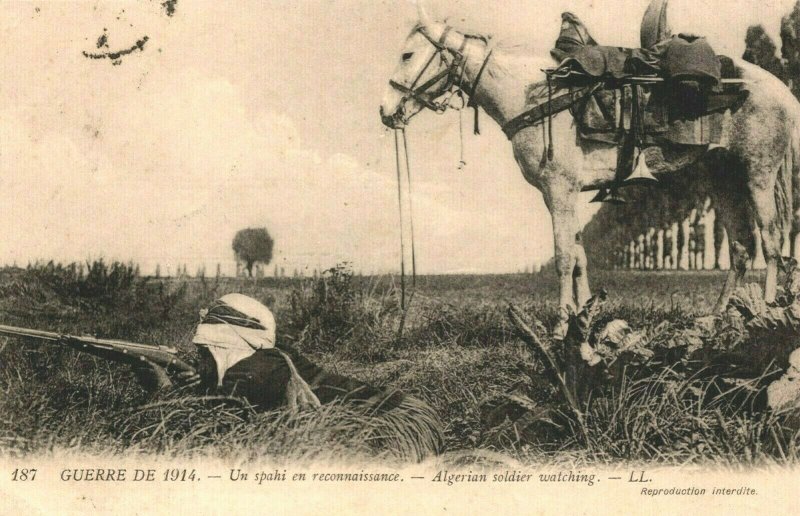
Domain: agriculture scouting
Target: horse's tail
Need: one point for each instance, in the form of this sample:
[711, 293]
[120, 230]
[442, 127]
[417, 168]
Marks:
[787, 194]
[784, 191]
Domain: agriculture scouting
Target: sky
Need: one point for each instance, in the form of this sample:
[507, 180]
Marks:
[265, 113]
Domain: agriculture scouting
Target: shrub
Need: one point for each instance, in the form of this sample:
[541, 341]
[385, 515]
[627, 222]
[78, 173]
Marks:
[112, 300]
[335, 312]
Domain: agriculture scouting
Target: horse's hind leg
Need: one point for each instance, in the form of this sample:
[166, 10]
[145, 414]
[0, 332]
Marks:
[766, 216]
[772, 199]
[739, 258]
[728, 194]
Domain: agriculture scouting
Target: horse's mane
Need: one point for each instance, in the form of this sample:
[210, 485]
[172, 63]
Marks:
[505, 56]
[505, 52]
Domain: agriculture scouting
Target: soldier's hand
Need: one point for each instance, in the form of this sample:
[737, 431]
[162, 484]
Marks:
[188, 378]
[152, 376]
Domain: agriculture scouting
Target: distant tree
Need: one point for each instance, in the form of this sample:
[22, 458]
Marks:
[760, 50]
[790, 48]
[251, 246]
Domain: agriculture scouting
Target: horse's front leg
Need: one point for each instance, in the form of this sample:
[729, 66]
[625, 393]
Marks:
[580, 275]
[570, 258]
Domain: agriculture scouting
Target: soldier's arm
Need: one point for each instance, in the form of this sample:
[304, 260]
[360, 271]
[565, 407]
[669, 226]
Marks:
[153, 378]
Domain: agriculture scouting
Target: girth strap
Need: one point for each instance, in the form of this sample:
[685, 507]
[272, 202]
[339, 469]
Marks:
[541, 111]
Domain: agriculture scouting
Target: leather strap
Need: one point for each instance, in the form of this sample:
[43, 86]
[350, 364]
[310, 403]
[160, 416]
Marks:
[471, 103]
[443, 37]
[539, 112]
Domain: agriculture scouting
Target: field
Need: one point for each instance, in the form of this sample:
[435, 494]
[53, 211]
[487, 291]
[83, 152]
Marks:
[455, 349]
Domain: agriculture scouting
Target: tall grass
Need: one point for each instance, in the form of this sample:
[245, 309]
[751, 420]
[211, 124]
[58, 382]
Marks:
[456, 352]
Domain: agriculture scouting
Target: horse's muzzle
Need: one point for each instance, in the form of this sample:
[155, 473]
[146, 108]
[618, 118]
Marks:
[392, 121]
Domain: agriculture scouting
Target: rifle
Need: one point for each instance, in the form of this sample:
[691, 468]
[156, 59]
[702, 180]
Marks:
[109, 349]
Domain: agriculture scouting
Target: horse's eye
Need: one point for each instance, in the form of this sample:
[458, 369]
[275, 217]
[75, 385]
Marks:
[407, 56]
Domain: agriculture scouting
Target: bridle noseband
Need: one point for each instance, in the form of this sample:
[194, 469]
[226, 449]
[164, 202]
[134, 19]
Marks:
[453, 74]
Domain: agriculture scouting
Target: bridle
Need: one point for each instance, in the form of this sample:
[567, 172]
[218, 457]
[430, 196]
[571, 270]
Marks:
[453, 74]
[455, 65]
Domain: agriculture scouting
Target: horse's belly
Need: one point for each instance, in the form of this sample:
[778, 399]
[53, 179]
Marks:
[671, 158]
[600, 162]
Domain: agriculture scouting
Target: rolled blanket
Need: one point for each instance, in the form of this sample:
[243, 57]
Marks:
[683, 57]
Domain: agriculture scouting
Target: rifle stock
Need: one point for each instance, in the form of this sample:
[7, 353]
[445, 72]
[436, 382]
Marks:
[109, 349]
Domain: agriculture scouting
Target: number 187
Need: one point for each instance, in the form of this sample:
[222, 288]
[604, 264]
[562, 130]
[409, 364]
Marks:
[23, 475]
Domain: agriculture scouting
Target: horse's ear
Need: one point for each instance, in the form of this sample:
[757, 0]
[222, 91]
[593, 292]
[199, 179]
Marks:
[433, 29]
[424, 19]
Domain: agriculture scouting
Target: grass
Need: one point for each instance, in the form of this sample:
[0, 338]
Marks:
[454, 349]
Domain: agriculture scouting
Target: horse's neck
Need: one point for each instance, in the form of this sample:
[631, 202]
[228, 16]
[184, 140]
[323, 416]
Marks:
[503, 86]
[502, 92]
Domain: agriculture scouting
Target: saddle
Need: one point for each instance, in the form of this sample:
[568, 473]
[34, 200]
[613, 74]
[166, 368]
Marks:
[674, 90]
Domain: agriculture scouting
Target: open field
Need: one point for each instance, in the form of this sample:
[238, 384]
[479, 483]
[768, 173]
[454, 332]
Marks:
[456, 350]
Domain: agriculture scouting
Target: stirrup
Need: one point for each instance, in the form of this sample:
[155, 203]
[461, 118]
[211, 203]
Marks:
[641, 173]
[608, 195]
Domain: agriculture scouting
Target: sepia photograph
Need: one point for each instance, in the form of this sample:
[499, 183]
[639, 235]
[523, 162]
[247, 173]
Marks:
[408, 256]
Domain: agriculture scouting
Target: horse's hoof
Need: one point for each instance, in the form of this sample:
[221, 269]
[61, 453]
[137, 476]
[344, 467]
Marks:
[560, 330]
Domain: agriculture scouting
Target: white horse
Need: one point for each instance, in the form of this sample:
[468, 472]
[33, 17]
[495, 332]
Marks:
[749, 180]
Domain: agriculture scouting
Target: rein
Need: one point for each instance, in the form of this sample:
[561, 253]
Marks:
[397, 139]
[472, 102]
[453, 74]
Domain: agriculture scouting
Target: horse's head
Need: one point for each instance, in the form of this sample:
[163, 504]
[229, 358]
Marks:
[427, 71]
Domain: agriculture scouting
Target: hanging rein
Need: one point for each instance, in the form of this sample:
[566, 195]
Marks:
[453, 77]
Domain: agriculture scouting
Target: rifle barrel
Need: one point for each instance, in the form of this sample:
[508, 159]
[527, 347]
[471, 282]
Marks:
[27, 332]
[110, 349]
[17, 331]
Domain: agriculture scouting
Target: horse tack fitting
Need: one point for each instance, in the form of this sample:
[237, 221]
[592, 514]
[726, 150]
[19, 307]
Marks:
[547, 153]
[610, 196]
[549, 118]
[641, 172]
[472, 103]
[450, 73]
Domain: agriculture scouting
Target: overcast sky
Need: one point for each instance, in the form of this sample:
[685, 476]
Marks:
[243, 113]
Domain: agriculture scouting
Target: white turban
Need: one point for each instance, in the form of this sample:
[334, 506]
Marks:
[233, 328]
